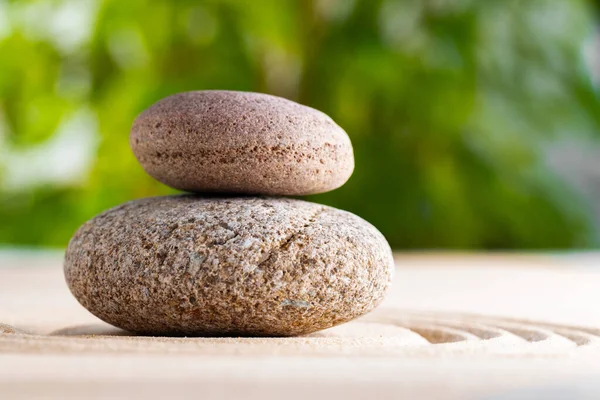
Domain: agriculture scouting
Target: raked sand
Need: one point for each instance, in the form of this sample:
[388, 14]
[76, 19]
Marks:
[454, 326]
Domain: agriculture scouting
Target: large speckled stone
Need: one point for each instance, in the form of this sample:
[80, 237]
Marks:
[187, 265]
[241, 142]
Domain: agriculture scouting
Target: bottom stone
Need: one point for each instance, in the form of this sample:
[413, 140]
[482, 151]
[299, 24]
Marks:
[247, 266]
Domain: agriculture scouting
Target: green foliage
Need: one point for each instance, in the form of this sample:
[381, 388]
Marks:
[450, 104]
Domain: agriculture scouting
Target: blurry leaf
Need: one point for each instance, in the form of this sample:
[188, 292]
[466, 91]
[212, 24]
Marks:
[452, 105]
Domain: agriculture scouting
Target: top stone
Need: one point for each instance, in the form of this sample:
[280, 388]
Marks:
[241, 142]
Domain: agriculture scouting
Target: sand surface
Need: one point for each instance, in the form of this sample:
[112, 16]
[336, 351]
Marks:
[454, 326]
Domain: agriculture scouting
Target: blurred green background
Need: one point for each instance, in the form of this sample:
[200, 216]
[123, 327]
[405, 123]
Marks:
[476, 124]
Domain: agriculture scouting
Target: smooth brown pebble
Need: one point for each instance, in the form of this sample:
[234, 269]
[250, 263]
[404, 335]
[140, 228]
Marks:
[186, 265]
[241, 142]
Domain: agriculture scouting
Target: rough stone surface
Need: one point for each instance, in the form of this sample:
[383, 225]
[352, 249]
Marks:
[241, 142]
[186, 265]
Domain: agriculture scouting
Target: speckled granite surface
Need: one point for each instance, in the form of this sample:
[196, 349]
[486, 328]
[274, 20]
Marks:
[249, 266]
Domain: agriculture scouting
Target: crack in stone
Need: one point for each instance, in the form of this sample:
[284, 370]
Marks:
[287, 241]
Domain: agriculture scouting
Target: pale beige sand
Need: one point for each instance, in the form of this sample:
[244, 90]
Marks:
[454, 326]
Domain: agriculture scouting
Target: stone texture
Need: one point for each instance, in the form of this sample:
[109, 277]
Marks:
[185, 265]
[241, 142]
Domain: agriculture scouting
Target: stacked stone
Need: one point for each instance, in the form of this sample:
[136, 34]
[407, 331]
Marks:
[232, 258]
